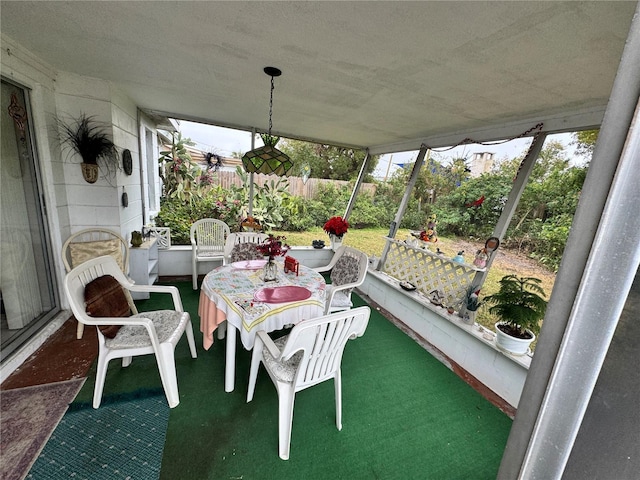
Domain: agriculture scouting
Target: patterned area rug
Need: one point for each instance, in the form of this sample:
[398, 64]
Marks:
[28, 416]
[123, 439]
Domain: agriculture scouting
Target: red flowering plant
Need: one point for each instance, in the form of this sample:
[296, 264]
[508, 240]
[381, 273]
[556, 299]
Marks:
[336, 226]
[273, 247]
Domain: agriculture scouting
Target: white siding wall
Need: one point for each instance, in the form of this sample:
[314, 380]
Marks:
[125, 134]
[72, 203]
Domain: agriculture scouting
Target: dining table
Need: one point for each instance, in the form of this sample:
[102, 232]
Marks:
[237, 293]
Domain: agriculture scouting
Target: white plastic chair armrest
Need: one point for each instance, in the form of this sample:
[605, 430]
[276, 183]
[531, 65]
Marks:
[266, 340]
[326, 268]
[175, 294]
[145, 322]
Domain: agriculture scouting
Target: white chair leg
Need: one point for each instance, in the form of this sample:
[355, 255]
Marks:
[126, 361]
[80, 330]
[337, 381]
[191, 340]
[167, 369]
[101, 374]
[194, 274]
[256, 358]
[286, 397]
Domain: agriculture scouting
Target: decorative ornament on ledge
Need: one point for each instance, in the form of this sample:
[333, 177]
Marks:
[251, 224]
[268, 159]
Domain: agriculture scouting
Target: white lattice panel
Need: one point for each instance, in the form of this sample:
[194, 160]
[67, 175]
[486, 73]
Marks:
[426, 270]
[163, 235]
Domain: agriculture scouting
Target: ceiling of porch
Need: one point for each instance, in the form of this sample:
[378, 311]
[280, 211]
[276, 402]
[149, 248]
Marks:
[384, 75]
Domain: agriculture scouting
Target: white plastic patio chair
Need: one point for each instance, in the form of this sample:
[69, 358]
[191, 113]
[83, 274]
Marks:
[240, 238]
[310, 354]
[208, 238]
[155, 332]
[92, 243]
[348, 270]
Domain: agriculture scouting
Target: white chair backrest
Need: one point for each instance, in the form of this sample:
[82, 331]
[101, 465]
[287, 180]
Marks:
[242, 237]
[322, 341]
[209, 235]
[92, 243]
[76, 280]
[353, 258]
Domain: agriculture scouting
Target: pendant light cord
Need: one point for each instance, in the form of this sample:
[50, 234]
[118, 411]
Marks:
[271, 106]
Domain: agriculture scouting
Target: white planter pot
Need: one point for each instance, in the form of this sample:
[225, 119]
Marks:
[336, 242]
[513, 345]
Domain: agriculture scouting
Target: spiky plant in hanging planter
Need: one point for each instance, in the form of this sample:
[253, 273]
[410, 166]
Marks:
[87, 138]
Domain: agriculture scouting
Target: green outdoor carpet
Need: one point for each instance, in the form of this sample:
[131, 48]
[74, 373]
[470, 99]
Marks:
[405, 415]
[123, 439]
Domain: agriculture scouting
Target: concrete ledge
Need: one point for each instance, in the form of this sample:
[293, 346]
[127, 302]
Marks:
[472, 348]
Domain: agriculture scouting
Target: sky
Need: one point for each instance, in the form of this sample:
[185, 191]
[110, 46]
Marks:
[225, 141]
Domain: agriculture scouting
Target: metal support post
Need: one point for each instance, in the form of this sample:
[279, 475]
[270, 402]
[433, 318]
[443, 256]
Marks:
[519, 184]
[393, 229]
[589, 291]
[356, 187]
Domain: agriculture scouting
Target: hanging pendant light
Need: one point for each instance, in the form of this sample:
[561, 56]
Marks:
[268, 159]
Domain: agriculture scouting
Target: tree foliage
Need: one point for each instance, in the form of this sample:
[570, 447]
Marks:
[181, 177]
[326, 161]
[541, 222]
[585, 141]
[464, 206]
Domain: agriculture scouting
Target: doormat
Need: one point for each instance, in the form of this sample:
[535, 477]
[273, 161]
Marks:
[123, 439]
[28, 416]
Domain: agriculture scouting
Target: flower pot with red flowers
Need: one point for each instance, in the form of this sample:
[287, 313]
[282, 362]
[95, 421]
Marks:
[336, 227]
[272, 247]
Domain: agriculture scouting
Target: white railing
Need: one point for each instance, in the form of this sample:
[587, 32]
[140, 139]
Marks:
[428, 271]
[163, 234]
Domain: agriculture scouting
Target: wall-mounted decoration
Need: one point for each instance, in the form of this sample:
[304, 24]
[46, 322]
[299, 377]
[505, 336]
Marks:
[127, 162]
[125, 198]
[89, 139]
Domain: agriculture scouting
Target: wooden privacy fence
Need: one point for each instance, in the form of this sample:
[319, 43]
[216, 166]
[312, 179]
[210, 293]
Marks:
[296, 186]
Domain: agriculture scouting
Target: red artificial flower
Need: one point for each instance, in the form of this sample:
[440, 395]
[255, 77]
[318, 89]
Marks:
[336, 226]
[273, 247]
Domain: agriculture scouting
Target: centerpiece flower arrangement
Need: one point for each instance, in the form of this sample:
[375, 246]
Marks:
[336, 226]
[272, 247]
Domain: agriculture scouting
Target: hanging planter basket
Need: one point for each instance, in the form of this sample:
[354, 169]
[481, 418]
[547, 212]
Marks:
[88, 138]
[90, 172]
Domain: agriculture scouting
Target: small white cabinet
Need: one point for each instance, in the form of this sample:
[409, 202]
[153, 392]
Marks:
[143, 265]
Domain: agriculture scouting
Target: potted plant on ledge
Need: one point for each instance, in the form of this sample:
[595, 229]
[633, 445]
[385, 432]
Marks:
[336, 227]
[520, 305]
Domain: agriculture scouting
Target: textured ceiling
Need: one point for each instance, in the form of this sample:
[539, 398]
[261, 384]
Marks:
[385, 75]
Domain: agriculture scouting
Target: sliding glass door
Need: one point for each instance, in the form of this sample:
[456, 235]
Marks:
[27, 290]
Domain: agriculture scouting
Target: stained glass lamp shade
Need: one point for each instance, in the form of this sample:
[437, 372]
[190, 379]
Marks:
[268, 159]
